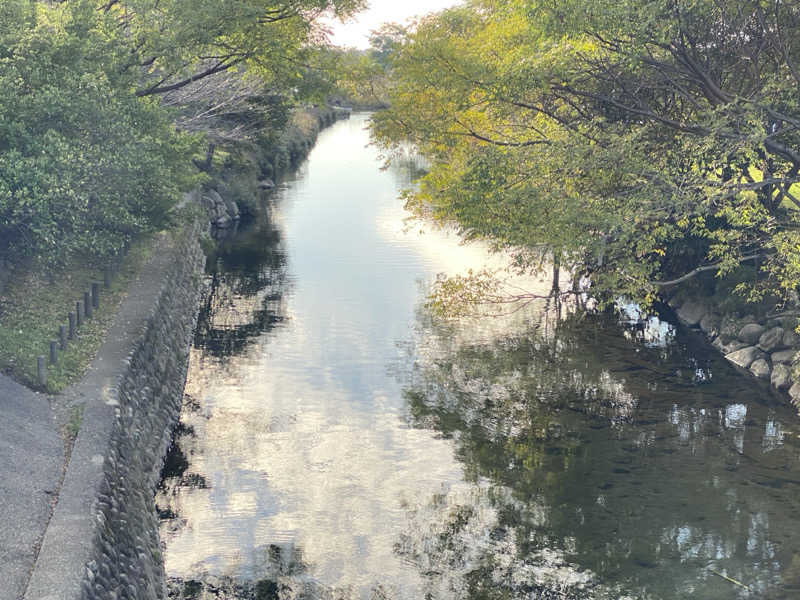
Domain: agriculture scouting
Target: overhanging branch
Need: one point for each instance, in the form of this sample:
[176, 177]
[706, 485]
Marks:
[699, 270]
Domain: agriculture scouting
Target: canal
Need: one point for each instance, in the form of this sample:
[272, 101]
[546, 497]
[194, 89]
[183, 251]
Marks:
[338, 441]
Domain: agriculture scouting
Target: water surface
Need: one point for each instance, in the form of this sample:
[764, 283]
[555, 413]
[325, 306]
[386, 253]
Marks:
[338, 441]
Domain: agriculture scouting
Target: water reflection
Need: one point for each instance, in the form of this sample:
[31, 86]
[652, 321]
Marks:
[339, 442]
[247, 284]
[617, 459]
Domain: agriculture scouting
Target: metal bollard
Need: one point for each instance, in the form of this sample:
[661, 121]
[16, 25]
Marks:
[95, 295]
[53, 352]
[87, 305]
[79, 312]
[71, 320]
[107, 277]
[62, 337]
[41, 370]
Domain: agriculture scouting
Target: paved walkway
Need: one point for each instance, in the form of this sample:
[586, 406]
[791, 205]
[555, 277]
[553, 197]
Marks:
[31, 464]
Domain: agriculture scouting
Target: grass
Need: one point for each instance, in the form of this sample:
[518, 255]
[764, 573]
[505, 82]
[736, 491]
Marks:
[34, 305]
[73, 425]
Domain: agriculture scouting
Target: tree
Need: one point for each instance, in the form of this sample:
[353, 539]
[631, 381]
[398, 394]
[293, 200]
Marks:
[641, 143]
[84, 164]
[91, 94]
[180, 42]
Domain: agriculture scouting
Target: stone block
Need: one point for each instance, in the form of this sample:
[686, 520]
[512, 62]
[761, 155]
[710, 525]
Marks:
[745, 357]
[794, 393]
[771, 339]
[760, 368]
[791, 339]
[710, 324]
[784, 356]
[727, 348]
[751, 333]
[781, 376]
[692, 312]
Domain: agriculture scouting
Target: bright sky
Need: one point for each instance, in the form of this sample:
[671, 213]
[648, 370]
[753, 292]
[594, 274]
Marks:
[356, 33]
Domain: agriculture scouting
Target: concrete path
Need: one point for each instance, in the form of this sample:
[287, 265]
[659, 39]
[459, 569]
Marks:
[67, 546]
[31, 466]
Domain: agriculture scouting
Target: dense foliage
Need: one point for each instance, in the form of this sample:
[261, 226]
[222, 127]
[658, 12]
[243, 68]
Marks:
[638, 142]
[103, 105]
[83, 163]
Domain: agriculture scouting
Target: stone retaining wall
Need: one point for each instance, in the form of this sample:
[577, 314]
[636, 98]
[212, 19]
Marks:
[768, 348]
[102, 542]
[128, 560]
[267, 165]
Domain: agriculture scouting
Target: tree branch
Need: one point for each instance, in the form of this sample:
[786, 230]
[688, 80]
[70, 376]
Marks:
[699, 270]
[218, 68]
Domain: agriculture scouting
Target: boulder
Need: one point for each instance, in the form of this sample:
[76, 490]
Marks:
[710, 324]
[214, 196]
[771, 339]
[691, 312]
[729, 330]
[781, 376]
[784, 356]
[791, 339]
[760, 368]
[733, 346]
[794, 393]
[221, 212]
[751, 333]
[676, 300]
[745, 357]
[231, 208]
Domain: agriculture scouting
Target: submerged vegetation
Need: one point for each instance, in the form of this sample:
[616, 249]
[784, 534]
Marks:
[641, 144]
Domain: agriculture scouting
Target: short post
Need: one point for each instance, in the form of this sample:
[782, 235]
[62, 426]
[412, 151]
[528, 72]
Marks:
[62, 337]
[95, 295]
[107, 277]
[53, 352]
[41, 371]
[87, 305]
[79, 312]
[71, 319]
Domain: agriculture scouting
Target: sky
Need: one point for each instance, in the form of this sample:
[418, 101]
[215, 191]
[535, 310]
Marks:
[355, 33]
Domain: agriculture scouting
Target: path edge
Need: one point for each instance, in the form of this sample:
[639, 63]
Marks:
[102, 540]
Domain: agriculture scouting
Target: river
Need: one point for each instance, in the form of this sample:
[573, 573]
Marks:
[338, 441]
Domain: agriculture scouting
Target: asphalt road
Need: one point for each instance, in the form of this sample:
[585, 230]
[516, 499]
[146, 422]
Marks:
[31, 462]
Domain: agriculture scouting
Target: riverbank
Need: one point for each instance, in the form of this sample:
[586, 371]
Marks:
[766, 347]
[101, 537]
[36, 303]
[241, 174]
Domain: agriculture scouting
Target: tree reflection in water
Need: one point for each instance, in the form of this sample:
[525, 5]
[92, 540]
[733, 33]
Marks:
[599, 466]
[247, 285]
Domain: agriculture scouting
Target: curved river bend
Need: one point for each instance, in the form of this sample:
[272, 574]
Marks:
[339, 442]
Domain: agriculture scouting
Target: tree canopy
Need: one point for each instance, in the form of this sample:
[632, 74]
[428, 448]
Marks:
[98, 99]
[639, 142]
